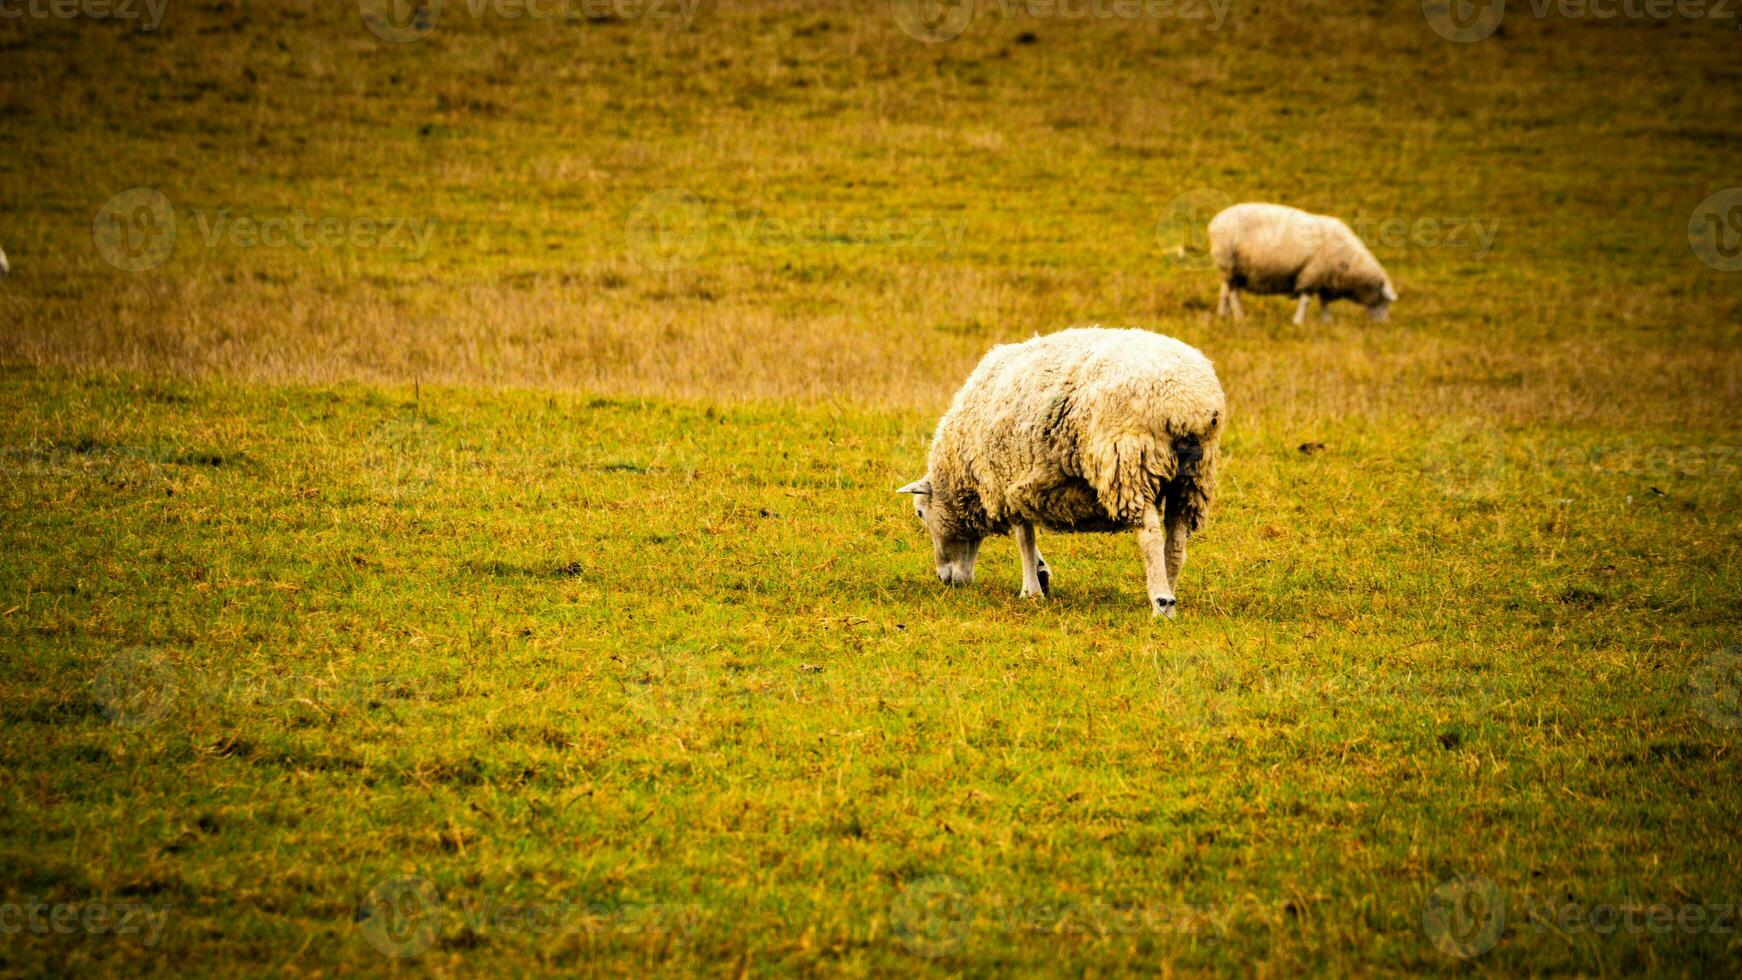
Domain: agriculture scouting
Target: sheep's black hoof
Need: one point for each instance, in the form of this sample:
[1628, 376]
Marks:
[1045, 580]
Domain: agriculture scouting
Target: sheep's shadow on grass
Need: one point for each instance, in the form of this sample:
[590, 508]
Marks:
[505, 569]
[1002, 593]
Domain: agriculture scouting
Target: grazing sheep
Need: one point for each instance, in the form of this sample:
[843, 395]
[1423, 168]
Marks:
[1084, 430]
[1269, 249]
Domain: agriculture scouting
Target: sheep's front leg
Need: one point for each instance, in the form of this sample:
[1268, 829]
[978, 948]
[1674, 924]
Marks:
[1300, 311]
[1324, 309]
[1152, 539]
[1036, 578]
[1177, 536]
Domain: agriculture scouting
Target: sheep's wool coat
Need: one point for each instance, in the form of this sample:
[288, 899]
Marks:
[1272, 248]
[1080, 431]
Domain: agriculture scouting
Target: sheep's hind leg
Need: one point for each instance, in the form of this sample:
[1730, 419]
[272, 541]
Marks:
[1036, 578]
[1222, 306]
[1324, 309]
[1234, 309]
[1300, 311]
[1152, 540]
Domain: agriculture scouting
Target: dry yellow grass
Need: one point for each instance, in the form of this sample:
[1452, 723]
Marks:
[528, 144]
[689, 337]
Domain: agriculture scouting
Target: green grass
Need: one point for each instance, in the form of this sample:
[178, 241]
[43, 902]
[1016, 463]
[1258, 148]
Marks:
[685, 668]
[567, 595]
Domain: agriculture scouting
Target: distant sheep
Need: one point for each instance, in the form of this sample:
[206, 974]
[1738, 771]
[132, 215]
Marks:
[1268, 249]
[1088, 430]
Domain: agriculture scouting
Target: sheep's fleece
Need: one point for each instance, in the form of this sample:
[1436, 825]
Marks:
[1082, 430]
[1272, 248]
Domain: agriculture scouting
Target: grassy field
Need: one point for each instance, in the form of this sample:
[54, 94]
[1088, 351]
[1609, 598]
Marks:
[446, 516]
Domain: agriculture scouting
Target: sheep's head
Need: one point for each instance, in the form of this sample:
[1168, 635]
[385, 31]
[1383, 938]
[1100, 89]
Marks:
[1379, 306]
[953, 549]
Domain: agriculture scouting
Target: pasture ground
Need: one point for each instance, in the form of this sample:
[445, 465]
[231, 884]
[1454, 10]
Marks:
[534, 599]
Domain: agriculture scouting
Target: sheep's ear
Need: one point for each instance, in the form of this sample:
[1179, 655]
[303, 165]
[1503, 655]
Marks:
[921, 487]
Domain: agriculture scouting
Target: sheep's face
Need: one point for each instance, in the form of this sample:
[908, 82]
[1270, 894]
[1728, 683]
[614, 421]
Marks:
[1379, 305]
[953, 551]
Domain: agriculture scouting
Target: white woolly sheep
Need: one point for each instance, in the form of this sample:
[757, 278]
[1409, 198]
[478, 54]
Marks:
[1088, 430]
[1268, 249]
